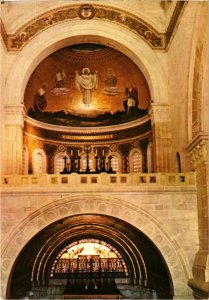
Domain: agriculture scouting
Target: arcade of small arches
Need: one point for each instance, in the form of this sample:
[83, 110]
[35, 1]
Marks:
[39, 161]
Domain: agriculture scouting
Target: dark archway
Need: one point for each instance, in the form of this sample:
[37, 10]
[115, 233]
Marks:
[145, 263]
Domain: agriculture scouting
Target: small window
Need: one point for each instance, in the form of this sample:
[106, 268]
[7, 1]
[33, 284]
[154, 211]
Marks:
[39, 161]
[59, 163]
[38, 167]
[84, 163]
[115, 163]
[135, 159]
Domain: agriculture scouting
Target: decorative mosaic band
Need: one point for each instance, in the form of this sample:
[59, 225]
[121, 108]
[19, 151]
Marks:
[137, 131]
[86, 12]
[86, 137]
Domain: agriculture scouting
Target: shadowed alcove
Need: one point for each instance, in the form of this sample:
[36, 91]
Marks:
[144, 263]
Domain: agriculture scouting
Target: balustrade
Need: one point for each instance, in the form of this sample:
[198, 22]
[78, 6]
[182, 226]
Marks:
[104, 179]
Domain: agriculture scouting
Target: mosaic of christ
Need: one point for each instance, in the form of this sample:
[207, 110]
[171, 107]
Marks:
[87, 85]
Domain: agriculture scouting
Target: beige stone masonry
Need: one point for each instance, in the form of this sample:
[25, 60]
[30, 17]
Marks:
[13, 141]
[160, 118]
[198, 151]
[164, 210]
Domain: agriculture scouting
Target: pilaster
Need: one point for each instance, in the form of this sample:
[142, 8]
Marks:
[161, 129]
[198, 152]
[13, 138]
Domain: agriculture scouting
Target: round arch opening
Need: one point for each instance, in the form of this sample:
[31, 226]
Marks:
[96, 32]
[146, 271]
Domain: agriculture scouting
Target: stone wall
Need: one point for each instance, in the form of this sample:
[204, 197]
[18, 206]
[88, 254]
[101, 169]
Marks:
[166, 213]
[181, 61]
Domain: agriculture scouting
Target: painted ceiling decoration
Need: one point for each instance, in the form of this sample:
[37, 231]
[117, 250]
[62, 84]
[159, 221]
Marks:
[154, 39]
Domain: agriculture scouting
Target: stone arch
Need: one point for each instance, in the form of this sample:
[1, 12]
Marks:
[74, 31]
[110, 206]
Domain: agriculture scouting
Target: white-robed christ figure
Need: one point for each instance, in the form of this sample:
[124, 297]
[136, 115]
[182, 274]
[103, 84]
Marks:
[86, 83]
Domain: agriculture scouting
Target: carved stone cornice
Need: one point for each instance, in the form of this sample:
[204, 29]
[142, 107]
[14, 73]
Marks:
[198, 149]
[29, 30]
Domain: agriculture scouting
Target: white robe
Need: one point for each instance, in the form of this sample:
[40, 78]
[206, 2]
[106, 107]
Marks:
[86, 83]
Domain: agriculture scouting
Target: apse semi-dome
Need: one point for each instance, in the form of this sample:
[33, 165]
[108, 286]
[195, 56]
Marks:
[87, 85]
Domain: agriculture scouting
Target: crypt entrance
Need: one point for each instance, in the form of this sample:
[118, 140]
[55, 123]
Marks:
[90, 256]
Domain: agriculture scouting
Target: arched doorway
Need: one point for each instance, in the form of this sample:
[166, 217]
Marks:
[143, 264]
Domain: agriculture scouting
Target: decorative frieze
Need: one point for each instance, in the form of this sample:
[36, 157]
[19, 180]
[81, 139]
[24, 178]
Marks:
[82, 136]
[155, 39]
[29, 30]
[67, 137]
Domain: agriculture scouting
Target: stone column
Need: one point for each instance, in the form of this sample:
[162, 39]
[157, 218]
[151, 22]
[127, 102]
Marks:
[161, 131]
[198, 151]
[13, 139]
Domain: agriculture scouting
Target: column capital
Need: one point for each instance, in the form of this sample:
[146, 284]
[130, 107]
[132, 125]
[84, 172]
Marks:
[198, 149]
[159, 113]
[14, 115]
